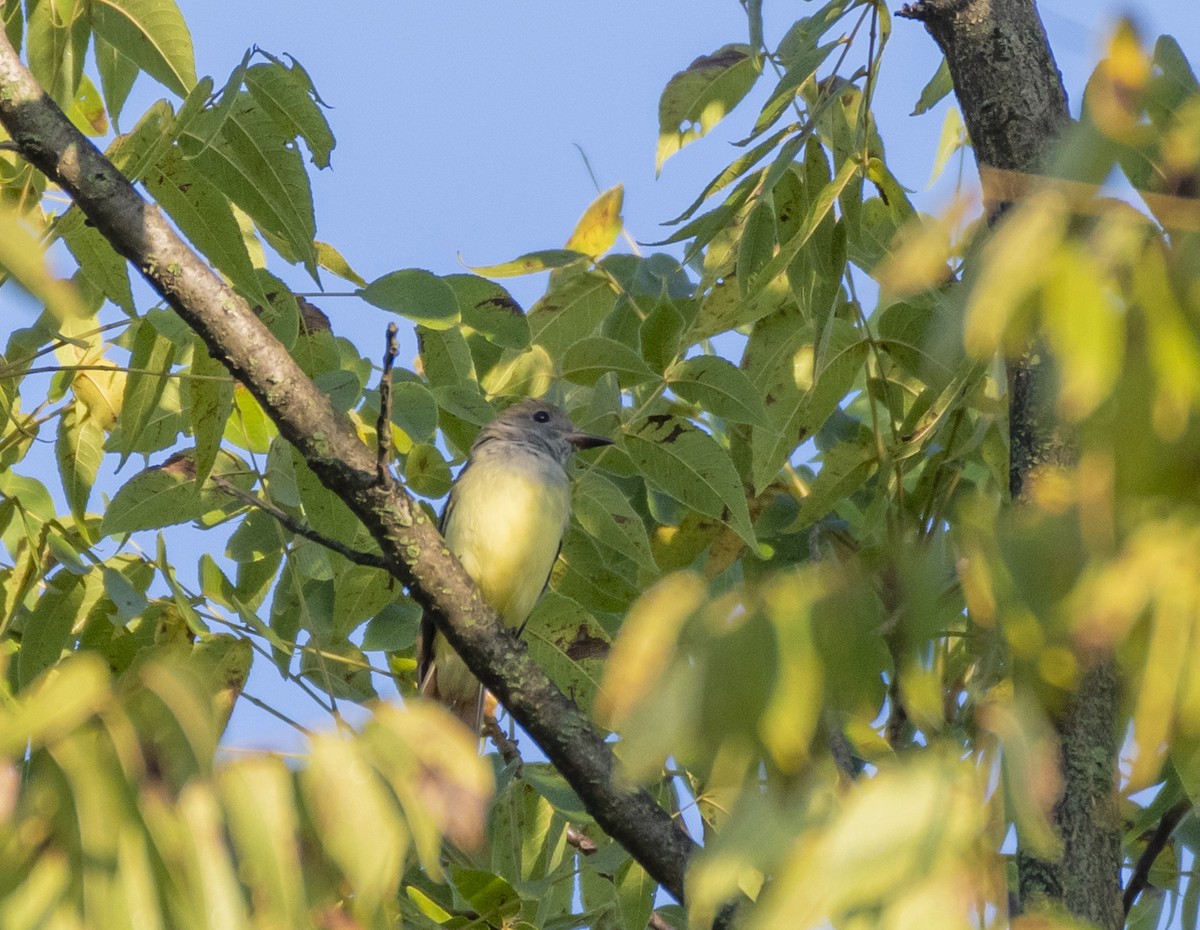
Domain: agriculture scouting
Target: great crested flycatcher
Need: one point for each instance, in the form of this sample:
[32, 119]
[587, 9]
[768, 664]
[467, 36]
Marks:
[505, 521]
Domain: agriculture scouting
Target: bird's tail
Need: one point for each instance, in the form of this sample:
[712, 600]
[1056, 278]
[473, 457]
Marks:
[469, 710]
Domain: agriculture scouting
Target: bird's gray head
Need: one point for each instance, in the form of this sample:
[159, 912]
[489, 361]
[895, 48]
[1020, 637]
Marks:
[539, 425]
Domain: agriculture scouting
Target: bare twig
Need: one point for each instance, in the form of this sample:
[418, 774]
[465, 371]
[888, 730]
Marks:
[1158, 842]
[506, 747]
[299, 527]
[581, 841]
[383, 427]
[586, 845]
[658, 922]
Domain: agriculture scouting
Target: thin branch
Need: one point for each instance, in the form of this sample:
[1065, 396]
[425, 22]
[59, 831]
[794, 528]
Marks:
[383, 428]
[263, 705]
[299, 527]
[506, 747]
[1157, 843]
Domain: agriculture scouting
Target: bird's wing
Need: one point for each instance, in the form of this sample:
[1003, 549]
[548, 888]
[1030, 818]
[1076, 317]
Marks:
[427, 628]
[545, 585]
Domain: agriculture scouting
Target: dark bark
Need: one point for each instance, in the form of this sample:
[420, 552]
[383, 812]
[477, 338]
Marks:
[1013, 102]
[410, 543]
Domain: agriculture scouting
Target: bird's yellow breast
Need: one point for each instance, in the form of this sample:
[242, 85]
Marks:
[505, 524]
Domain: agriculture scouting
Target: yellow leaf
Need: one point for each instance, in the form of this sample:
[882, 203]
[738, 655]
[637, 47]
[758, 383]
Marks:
[600, 224]
[23, 257]
[643, 650]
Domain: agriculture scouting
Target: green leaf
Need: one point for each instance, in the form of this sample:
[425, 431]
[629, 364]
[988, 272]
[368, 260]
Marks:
[264, 826]
[566, 641]
[844, 469]
[357, 819]
[586, 360]
[662, 331]
[446, 358]
[203, 214]
[595, 577]
[723, 309]
[248, 426]
[604, 512]
[932, 93]
[183, 602]
[324, 510]
[49, 626]
[797, 414]
[414, 410]
[571, 310]
[489, 309]
[800, 68]
[635, 895]
[719, 387]
[100, 265]
[340, 670]
[520, 374]
[953, 137]
[166, 494]
[426, 472]
[489, 895]
[394, 628]
[756, 246]
[150, 361]
[209, 393]
[822, 203]
[696, 99]
[86, 111]
[735, 170]
[56, 44]
[288, 95]
[152, 34]
[259, 167]
[79, 450]
[688, 464]
[117, 74]
[531, 263]
[331, 259]
[418, 295]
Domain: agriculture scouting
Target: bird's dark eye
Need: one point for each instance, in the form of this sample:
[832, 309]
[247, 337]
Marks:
[542, 416]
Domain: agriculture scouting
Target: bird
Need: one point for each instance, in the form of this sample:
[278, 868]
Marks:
[505, 519]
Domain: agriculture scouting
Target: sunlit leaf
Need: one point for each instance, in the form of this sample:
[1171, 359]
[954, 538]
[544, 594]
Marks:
[937, 88]
[600, 224]
[698, 98]
[151, 33]
[530, 263]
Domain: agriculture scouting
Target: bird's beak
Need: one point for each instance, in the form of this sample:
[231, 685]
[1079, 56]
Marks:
[587, 441]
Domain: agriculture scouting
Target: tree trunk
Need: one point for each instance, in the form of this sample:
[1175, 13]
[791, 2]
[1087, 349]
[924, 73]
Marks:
[1015, 108]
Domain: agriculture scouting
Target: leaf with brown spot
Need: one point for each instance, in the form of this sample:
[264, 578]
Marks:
[690, 466]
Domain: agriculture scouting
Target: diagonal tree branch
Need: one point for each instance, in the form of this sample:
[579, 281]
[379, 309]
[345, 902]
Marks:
[414, 552]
